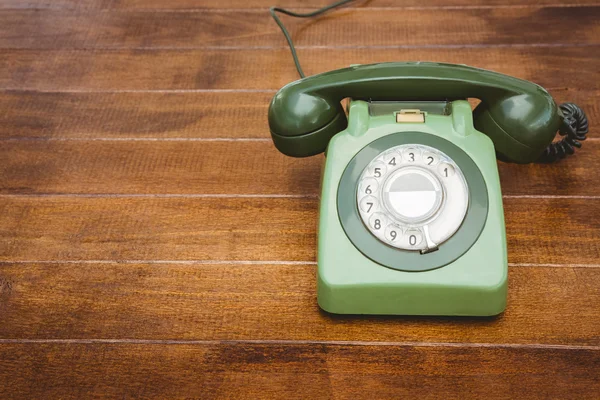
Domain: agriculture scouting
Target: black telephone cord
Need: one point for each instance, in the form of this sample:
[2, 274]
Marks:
[274, 10]
[575, 127]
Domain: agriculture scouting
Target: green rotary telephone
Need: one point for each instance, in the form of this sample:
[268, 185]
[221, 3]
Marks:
[411, 219]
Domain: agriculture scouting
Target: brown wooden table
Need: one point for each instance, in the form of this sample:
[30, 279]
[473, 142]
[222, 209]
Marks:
[154, 244]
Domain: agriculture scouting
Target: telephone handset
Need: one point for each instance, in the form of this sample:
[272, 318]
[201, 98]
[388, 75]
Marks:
[411, 219]
[519, 116]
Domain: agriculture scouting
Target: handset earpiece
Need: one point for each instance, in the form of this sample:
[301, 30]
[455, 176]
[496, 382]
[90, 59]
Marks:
[302, 123]
[519, 116]
[538, 123]
[521, 125]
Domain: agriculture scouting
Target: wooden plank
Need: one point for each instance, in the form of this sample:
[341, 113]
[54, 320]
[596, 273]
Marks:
[539, 230]
[228, 301]
[265, 4]
[122, 70]
[227, 167]
[165, 115]
[141, 115]
[359, 27]
[159, 228]
[299, 370]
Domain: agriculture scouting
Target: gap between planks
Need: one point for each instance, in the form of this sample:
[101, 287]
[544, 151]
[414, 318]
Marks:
[244, 262]
[132, 139]
[243, 196]
[300, 342]
[313, 47]
[117, 91]
[149, 139]
[298, 9]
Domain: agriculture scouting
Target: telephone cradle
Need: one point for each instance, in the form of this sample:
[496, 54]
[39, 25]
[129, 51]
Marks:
[411, 219]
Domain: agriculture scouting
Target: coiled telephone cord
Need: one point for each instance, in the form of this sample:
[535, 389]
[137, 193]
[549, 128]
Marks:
[574, 127]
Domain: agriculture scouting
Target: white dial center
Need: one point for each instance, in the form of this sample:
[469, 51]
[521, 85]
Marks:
[413, 194]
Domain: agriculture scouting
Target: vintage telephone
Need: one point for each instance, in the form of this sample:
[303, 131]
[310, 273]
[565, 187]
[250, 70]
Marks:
[411, 219]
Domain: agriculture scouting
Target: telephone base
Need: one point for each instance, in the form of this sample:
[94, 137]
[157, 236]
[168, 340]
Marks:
[472, 283]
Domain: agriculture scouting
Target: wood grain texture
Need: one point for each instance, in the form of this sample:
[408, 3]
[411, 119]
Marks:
[127, 271]
[548, 230]
[253, 370]
[166, 115]
[265, 4]
[354, 28]
[143, 115]
[262, 301]
[227, 167]
[123, 70]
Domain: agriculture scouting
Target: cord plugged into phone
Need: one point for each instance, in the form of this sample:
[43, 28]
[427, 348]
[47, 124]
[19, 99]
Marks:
[411, 218]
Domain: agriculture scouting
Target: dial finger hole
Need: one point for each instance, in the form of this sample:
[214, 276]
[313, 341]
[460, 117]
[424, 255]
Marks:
[393, 233]
[378, 221]
[430, 159]
[446, 170]
[377, 170]
[392, 159]
[413, 237]
[368, 187]
[411, 155]
[369, 204]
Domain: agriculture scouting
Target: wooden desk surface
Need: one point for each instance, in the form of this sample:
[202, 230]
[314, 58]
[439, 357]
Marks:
[154, 244]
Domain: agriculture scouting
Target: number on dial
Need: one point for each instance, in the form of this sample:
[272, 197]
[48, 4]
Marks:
[368, 204]
[446, 170]
[377, 221]
[413, 237]
[392, 233]
[368, 186]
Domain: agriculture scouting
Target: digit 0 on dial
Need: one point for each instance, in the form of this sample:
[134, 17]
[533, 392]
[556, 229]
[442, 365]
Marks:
[412, 197]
